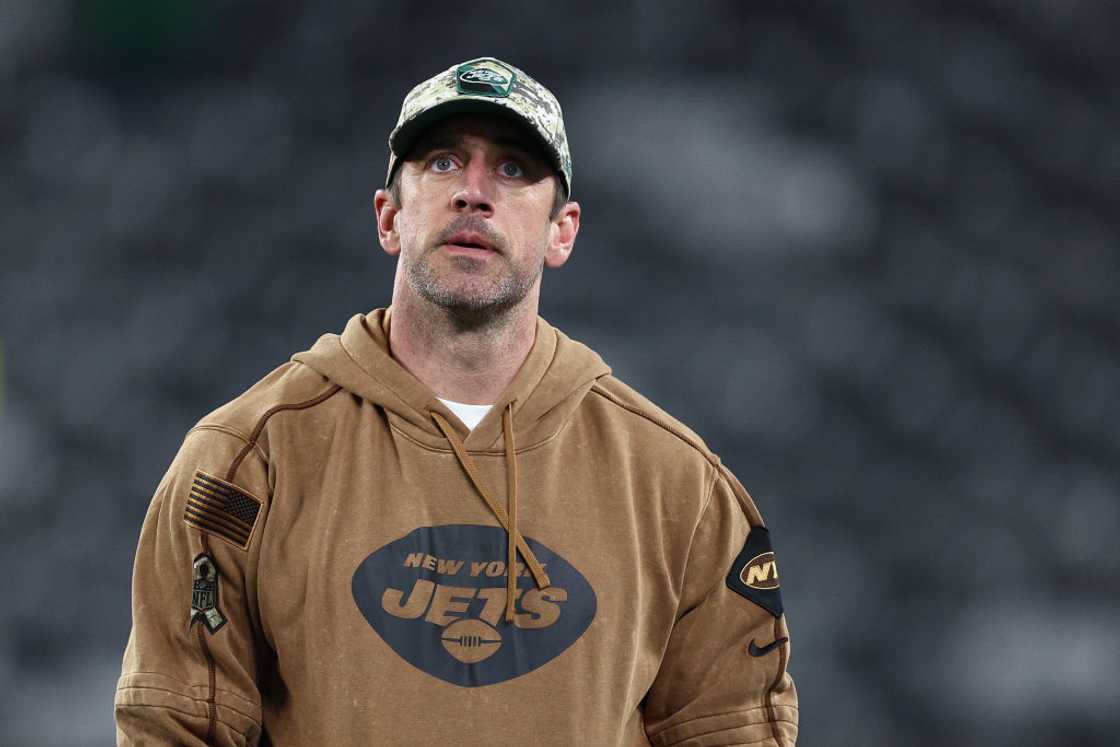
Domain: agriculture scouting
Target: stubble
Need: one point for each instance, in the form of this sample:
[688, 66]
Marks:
[473, 292]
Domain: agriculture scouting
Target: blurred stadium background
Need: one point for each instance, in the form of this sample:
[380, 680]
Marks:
[868, 250]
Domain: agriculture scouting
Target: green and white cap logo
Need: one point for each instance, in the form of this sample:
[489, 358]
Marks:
[488, 86]
[487, 77]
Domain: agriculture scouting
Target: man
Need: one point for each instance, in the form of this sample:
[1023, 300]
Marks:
[450, 523]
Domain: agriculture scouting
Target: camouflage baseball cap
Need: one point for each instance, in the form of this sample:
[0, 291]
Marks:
[485, 85]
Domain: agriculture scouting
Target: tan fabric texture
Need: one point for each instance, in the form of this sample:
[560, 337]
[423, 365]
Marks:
[363, 576]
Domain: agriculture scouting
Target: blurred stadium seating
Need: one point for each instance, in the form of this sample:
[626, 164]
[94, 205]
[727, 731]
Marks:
[869, 251]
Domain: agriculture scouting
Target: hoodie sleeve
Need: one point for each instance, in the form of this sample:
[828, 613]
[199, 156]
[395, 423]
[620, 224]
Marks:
[723, 677]
[190, 668]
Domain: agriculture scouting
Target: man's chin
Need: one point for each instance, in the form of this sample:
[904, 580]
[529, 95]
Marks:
[472, 312]
[471, 299]
[466, 300]
[474, 304]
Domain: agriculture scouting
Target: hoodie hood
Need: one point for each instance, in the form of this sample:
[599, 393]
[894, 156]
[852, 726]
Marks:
[553, 380]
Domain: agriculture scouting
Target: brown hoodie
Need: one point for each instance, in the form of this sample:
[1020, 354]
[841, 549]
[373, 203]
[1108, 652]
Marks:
[325, 562]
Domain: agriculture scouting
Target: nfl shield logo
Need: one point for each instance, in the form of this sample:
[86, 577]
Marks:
[203, 598]
[204, 594]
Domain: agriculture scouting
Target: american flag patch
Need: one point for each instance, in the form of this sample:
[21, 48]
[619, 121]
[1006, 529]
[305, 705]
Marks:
[219, 508]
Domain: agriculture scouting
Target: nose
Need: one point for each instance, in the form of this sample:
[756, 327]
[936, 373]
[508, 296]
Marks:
[474, 192]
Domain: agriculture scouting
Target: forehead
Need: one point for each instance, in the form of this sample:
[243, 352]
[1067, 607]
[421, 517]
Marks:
[496, 130]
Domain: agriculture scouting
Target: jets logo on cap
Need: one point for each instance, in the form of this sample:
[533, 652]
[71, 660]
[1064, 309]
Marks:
[486, 77]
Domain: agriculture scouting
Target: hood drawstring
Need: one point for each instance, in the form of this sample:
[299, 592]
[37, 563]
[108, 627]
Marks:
[509, 522]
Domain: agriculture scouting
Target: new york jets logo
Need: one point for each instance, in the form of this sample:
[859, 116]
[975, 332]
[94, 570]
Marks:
[761, 572]
[437, 595]
[754, 574]
[486, 76]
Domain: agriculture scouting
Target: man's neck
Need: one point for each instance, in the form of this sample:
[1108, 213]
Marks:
[468, 363]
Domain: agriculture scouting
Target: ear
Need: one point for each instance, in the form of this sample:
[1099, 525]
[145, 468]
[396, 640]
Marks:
[562, 235]
[387, 212]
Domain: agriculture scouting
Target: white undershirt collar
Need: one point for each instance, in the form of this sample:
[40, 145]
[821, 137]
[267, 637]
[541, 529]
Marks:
[471, 415]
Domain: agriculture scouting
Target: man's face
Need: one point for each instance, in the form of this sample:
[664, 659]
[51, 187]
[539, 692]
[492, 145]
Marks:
[473, 230]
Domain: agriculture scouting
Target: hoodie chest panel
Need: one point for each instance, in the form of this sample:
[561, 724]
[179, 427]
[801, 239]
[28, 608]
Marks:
[336, 508]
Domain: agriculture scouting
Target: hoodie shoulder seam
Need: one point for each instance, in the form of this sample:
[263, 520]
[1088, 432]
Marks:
[230, 431]
[263, 420]
[660, 422]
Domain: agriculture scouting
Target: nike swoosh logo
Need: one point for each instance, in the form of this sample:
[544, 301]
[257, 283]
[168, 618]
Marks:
[757, 650]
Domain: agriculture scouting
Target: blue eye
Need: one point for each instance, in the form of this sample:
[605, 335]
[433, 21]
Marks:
[443, 164]
[511, 169]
